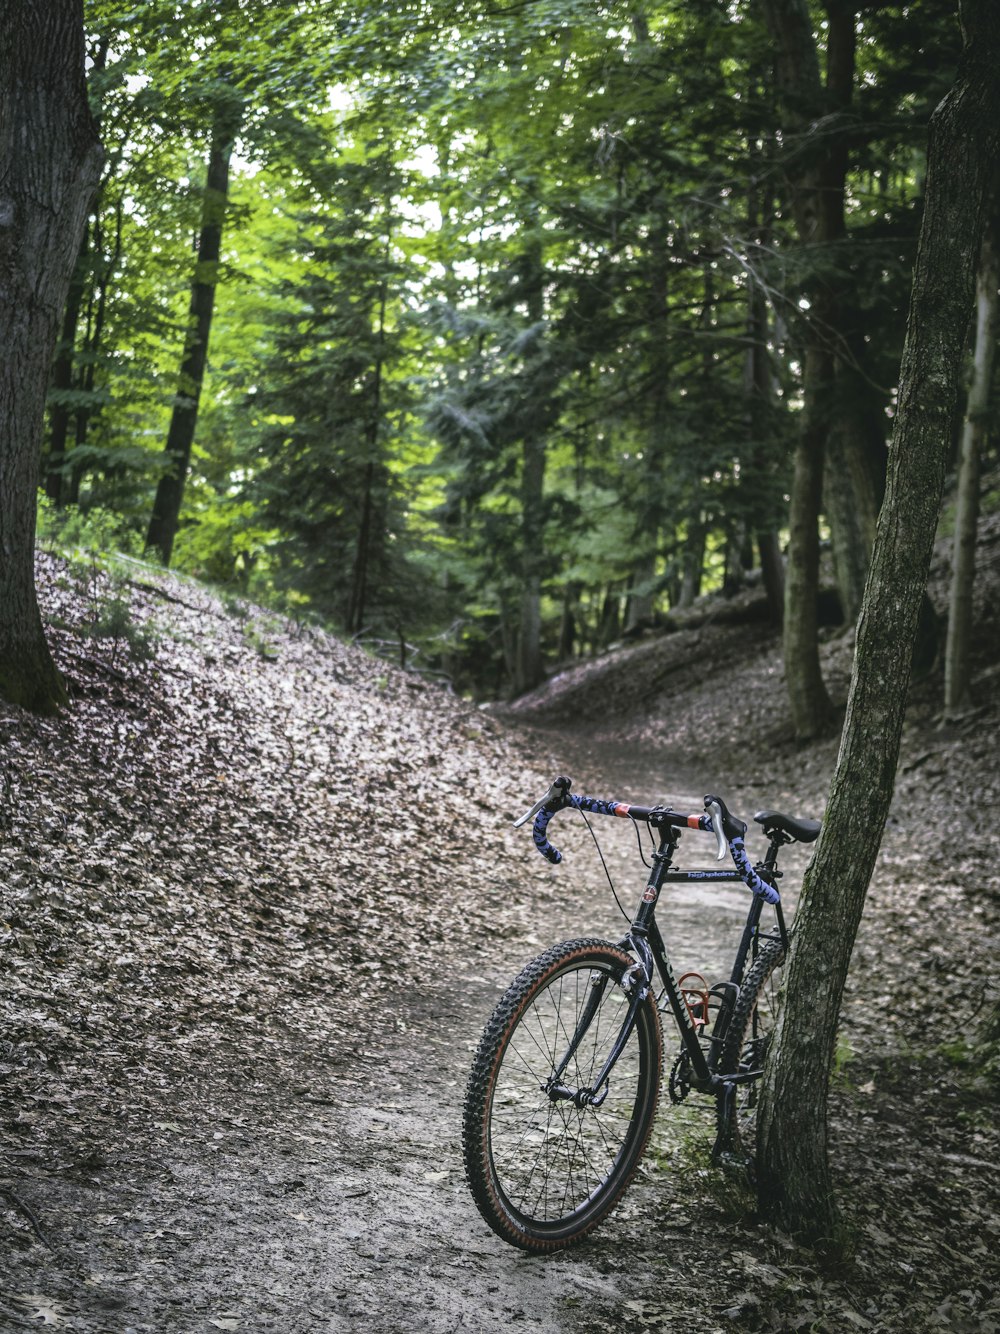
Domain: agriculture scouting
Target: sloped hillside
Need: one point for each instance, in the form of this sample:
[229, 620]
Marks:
[247, 838]
[258, 894]
[715, 684]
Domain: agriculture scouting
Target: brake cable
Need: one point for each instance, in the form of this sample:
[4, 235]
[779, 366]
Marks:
[614, 892]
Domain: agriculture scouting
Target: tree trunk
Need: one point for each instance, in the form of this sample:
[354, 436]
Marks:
[639, 607]
[88, 410]
[59, 483]
[369, 521]
[794, 1180]
[773, 571]
[62, 382]
[807, 696]
[816, 176]
[50, 159]
[530, 671]
[693, 562]
[184, 418]
[854, 476]
[738, 557]
[848, 522]
[855, 434]
[975, 431]
[757, 378]
[609, 621]
[568, 623]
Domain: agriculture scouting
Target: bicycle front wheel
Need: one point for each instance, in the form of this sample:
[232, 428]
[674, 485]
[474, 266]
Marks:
[547, 1154]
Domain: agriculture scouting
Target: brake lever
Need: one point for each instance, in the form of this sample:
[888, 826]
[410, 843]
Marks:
[720, 837]
[530, 815]
[556, 793]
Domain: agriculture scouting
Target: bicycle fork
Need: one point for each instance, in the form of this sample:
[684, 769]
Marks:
[635, 982]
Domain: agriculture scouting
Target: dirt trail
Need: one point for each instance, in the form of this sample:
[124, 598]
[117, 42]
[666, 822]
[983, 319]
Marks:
[224, 1104]
[340, 1203]
[412, 1220]
[339, 1206]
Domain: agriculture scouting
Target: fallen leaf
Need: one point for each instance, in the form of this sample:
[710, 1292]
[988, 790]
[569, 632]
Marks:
[46, 1309]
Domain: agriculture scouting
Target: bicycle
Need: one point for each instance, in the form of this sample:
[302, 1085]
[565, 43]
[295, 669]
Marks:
[566, 1079]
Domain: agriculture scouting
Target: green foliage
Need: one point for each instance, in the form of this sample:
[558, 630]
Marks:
[227, 545]
[843, 1055]
[259, 635]
[459, 239]
[93, 532]
[112, 621]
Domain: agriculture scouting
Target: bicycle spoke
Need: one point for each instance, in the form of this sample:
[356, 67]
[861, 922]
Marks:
[552, 1156]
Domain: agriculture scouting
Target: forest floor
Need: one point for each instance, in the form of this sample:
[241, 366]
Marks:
[259, 893]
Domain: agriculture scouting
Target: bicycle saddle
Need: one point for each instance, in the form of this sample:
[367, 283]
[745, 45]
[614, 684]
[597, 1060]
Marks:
[805, 831]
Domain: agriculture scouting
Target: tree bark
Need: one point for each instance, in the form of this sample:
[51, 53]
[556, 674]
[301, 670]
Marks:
[693, 561]
[60, 485]
[772, 568]
[62, 382]
[975, 431]
[529, 667]
[852, 537]
[807, 695]
[88, 410]
[816, 119]
[758, 380]
[50, 160]
[639, 607]
[184, 418]
[854, 474]
[530, 670]
[370, 520]
[794, 1181]
[609, 620]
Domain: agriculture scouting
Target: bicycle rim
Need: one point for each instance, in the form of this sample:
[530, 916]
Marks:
[545, 1170]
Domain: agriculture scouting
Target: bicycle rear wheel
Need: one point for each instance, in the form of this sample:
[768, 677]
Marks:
[746, 1045]
[544, 1170]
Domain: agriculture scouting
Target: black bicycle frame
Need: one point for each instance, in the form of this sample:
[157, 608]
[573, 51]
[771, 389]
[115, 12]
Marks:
[646, 940]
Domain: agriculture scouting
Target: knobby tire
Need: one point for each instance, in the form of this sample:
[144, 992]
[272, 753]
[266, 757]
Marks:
[745, 1050]
[544, 1171]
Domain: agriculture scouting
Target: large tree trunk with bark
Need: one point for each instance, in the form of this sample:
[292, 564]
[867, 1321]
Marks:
[50, 159]
[184, 418]
[794, 1182]
[975, 431]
